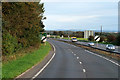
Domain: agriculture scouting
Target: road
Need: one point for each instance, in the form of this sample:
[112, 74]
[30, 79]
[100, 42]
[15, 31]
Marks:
[101, 46]
[75, 62]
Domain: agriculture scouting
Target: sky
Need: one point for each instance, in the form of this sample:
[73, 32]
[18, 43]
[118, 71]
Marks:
[81, 15]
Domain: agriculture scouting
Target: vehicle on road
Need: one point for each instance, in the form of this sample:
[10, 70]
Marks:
[110, 47]
[74, 39]
[91, 44]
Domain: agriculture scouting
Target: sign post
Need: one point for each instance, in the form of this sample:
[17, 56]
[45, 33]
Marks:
[97, 38]
[68, 37]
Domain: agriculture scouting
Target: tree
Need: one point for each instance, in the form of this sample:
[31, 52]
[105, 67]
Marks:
[91, 38]
[61, 33]
[118, 39]
[102, 38]
[23, 21]
[80, 34]
[55, 33]
[111, 38]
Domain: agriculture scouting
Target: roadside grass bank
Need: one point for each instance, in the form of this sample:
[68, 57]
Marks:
[81, 39]
[13, 68]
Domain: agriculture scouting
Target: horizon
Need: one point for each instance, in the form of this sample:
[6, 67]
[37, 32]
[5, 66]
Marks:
[83, 30]
[77, 15]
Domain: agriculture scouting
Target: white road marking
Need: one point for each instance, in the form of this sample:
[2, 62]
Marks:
[35, 65]
[104, 58]
[54, 47]
[80, 62]
[77, 57]
[84, 70]
[74, 54]
[45, 65]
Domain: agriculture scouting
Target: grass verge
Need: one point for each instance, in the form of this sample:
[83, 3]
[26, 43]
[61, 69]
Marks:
[15, 67]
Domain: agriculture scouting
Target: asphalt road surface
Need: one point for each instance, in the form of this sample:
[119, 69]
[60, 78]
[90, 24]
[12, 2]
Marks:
[74, 62]
[101, 46]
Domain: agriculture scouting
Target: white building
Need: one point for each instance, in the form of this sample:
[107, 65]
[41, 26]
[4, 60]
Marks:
[88, 33]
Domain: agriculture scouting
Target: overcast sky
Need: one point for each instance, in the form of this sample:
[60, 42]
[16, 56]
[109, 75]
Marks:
[79, 15]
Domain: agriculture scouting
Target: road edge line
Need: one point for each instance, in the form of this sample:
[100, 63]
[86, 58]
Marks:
[45, 64]
[54, 49]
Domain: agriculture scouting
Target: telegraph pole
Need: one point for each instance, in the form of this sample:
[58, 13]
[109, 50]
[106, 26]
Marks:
[101, 31]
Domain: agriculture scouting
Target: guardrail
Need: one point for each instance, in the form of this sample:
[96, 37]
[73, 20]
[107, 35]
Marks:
[93, 47]
[99, 49]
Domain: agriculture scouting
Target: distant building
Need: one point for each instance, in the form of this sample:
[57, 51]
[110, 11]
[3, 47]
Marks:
[88, 33]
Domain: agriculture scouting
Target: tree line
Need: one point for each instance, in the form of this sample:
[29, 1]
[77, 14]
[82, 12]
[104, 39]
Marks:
[111, 38]
[21, 25]
[79, 34]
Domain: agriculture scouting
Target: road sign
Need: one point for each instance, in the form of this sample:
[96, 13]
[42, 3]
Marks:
[44, 39]
[43, 36]
[97, 38]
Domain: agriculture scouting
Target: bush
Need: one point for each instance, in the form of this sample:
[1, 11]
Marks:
[102, 38]
[91, 38]
[111, 38]
[118, 39]
[10, 43]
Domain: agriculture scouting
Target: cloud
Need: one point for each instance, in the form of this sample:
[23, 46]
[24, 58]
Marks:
[80, 0]
[70, 18]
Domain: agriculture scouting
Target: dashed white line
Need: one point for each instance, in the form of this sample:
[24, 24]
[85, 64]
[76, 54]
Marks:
[74, 46]
[80, 62]
[104, 58]
[84, 70]
[77, 57]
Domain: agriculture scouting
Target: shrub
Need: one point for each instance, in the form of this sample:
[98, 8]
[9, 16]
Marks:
[102, 38]
[111, 38]
[91, 38]
[9, 44]
[118, 39]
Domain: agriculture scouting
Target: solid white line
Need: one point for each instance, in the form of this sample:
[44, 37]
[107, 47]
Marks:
[104, 58]
[45, 65]
[84, 70]
[34, 65]
[54, 47]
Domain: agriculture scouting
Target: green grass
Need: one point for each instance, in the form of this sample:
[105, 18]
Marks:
[18, 66]
[80, 39]
[86, 40]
